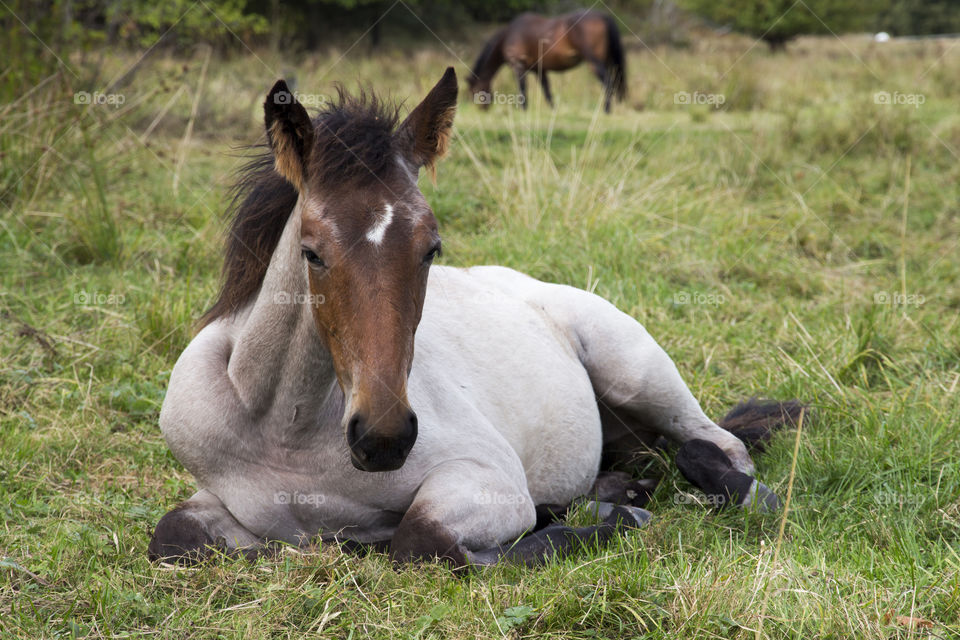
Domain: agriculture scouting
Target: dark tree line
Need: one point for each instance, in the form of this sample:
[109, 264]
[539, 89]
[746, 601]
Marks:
[309, 24]
[779, 21]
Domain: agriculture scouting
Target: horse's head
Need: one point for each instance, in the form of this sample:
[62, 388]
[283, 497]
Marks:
[368, 238]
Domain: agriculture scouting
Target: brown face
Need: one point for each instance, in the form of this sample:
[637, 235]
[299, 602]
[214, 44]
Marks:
[367, 262]
[367, 242]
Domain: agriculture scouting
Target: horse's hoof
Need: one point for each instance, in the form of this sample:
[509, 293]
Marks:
[180, 538]
[630, 517]
[619, 514]
[760, 498]
[599, 510]
[706, 466]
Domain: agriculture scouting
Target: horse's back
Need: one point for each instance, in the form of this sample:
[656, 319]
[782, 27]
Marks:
[558, 43]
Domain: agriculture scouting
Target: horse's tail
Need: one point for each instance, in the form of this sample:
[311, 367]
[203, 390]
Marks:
[754, 421]
[616, 61]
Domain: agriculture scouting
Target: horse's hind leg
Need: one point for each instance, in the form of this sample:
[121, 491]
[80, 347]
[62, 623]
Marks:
[558, 540]
[611, 487]
[521, 74]
[605, 77]
[198, 527]
[639, 386]
[545, 83]
[619, 487]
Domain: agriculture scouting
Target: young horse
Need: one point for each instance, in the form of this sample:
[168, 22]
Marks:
[294, 405]
[539, 44]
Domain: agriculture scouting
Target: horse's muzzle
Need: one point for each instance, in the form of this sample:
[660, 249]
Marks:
[374, 448]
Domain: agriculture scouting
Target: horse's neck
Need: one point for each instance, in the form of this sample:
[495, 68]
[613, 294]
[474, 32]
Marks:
[495, 59]
[278, 361]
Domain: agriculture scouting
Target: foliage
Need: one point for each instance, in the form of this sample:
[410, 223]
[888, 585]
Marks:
[217, 22]
[235, 25]
[920, 17]
[80, 24]
[778, 21]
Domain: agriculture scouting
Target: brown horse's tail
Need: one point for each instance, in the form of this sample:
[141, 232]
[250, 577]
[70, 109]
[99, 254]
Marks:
[616, 61]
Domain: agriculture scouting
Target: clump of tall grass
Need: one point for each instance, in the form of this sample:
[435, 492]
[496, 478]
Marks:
[872, 360]
[49, 141]
[543, 183]
[92, 222]
[33, 128]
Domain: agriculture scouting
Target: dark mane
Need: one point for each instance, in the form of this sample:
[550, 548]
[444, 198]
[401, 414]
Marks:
[353, 143]
[489, 49]
[353, 139]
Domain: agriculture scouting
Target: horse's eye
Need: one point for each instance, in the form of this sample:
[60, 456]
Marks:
[312, 258]
[433, 253]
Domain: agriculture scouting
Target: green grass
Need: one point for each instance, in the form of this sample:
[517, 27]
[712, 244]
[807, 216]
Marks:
[800, 241]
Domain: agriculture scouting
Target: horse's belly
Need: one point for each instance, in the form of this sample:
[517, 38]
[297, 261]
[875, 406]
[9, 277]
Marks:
[563, 447]
[561, 56]
[522, 374]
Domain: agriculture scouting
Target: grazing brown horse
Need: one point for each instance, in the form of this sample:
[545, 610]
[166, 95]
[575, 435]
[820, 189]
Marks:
[540, 44]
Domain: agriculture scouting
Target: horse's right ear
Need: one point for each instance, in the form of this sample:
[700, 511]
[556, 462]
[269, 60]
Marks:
[290, 133]
[425, 134]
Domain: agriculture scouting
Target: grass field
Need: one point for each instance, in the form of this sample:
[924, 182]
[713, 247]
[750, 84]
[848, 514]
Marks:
[798, 241]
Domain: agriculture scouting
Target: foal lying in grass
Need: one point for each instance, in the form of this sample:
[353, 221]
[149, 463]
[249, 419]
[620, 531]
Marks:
[343, 387]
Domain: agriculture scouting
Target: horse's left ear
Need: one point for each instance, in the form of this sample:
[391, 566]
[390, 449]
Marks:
[290, 133]
[425, 134]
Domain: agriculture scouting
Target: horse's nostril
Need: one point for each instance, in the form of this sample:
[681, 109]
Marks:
[411, 425]
[353, 430]
[381, 446]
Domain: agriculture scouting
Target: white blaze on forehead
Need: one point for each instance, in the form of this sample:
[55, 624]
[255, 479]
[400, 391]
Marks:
[376, 232]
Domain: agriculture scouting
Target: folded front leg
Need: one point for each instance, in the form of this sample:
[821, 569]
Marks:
[463, 505]
[468, 514]
[197, 528]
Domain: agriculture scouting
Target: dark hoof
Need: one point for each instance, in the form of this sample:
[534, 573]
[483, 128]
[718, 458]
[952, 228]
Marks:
[706, 466]
[621, 488]
[761, 499]
[548, 514]
[621, 515]
[179, 538]
[630, 517]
